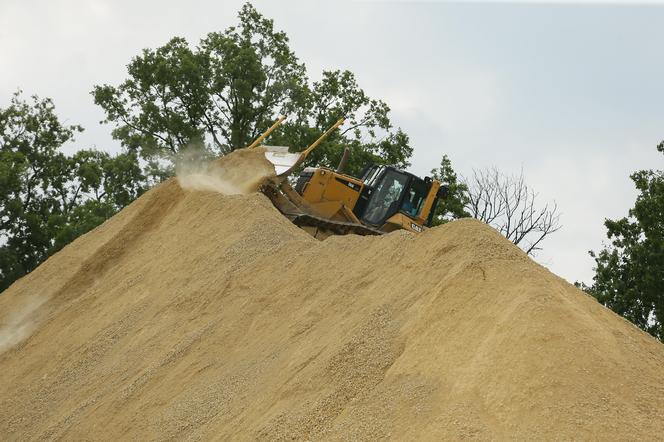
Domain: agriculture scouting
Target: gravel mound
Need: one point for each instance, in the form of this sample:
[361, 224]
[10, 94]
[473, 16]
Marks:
[197, 315]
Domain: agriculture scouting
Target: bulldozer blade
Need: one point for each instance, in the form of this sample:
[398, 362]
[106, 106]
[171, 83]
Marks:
[283, 161]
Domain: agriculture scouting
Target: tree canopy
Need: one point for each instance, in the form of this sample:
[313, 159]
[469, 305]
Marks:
[453, 206]
[219, 95]
[47, 198]
[629, 274]
[231, 87]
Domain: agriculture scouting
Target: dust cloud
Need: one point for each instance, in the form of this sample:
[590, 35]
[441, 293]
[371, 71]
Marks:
[238, 173]
[18, 324]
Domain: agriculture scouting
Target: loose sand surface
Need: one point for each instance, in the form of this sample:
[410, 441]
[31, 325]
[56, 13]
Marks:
[194, 315]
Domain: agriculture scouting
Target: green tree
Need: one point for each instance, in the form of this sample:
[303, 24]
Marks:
[629, 274]
[454, 204]
[230, 88]
[47, 198]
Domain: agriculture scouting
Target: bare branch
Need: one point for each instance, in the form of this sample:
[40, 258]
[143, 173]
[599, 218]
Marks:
[509, 205]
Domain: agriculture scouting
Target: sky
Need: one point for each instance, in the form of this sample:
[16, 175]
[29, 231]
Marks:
[570, 93]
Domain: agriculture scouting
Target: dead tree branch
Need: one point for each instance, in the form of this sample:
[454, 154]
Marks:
[509, 205]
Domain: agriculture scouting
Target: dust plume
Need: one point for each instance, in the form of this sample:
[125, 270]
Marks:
[238, 173]
[18, 324]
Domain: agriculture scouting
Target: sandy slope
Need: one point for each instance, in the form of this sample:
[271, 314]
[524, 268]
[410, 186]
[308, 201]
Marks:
[197, 315]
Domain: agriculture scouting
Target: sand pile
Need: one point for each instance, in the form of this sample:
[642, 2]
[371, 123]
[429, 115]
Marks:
[237, 174]
[196, 315]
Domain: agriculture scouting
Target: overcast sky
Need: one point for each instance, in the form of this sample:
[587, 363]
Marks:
[573, 94]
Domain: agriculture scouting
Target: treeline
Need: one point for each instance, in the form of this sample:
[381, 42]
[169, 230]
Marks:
[220, 95]
[48, 198]
[629, 273]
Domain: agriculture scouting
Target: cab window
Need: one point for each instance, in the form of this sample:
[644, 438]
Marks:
[370, 175]
[385, 198]
[414, 198]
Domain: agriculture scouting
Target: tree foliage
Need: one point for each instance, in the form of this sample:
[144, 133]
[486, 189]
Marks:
[231, 87]
[453, 206]
[47, 198]
[629, 273]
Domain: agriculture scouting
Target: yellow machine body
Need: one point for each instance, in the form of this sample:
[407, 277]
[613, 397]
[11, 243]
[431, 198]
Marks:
[332, 195]
[326, 202]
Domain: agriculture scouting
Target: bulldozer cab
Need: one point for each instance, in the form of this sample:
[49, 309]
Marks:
[389, 192]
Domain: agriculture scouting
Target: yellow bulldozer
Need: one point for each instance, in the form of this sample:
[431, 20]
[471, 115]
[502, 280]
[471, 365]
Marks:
[328, 202]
